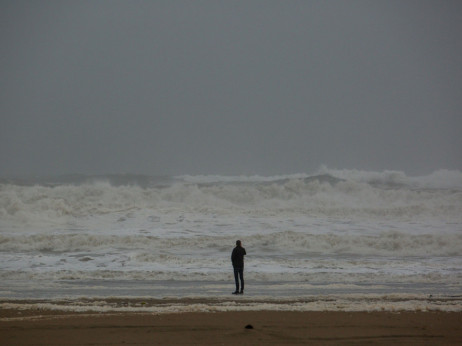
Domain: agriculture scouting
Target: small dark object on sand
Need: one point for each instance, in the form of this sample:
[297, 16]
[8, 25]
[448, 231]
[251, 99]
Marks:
[249, 326]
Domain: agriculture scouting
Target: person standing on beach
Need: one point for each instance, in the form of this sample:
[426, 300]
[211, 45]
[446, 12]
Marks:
[237, 258]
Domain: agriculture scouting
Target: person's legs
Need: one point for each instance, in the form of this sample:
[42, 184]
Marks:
[236, 278]
[241, 276]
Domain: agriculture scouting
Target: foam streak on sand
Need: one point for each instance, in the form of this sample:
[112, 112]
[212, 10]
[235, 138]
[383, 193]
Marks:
[351, 302]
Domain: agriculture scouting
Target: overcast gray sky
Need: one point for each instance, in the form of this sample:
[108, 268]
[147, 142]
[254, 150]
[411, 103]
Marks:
[229, 87]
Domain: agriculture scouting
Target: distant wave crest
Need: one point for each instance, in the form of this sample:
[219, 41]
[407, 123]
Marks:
[331, 193]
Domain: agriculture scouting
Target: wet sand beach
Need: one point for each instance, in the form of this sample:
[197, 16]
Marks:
[32, 326]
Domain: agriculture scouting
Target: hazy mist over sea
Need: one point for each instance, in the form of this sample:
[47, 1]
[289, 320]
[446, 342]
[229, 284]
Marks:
[229, 87]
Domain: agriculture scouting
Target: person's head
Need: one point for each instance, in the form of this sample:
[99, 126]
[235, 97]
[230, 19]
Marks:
[238, 243]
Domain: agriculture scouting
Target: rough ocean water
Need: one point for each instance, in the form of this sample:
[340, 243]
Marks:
[338, 233]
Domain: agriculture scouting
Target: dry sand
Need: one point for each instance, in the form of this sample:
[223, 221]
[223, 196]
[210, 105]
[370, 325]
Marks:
[48, 327]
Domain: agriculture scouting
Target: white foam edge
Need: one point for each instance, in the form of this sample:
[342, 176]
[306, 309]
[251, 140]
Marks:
[344, 303]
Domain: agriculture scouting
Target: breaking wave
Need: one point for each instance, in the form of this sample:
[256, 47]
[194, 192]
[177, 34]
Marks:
[333, 193]
[388, 243]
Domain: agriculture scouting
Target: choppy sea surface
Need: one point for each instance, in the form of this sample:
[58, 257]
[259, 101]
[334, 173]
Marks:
[338, 233]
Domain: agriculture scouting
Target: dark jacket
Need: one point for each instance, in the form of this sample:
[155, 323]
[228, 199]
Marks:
[237, 257]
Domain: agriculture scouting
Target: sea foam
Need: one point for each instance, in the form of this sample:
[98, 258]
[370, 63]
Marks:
[342, 231]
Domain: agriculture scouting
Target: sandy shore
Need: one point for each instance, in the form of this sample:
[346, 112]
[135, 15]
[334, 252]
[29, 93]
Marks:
[31, 326]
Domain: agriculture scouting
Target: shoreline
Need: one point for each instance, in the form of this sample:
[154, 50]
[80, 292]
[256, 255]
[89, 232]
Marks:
[30, 308]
